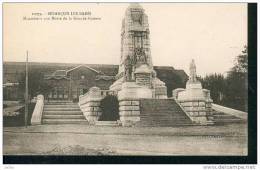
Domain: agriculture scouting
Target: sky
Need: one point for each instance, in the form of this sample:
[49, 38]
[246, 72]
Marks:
[211, 33]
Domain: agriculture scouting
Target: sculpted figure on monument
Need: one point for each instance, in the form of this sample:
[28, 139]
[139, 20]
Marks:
[128, 68]
[193, 74]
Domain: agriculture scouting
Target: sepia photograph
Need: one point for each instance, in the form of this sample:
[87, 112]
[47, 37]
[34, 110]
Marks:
[125, 79]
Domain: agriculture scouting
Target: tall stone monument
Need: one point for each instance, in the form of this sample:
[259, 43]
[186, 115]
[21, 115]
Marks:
[136, 77]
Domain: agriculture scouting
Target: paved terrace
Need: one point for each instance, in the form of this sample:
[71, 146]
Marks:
[93, 140]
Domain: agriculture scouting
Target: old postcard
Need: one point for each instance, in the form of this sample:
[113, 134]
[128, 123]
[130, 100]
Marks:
[132, 79]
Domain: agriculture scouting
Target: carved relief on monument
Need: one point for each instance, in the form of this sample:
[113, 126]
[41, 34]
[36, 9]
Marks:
[140, 56]
[137, 16]
[143, 80]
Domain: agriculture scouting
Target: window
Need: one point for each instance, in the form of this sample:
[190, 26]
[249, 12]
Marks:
[82, 76]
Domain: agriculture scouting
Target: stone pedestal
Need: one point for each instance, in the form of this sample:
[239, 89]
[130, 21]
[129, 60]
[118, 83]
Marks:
[129, 111]
[128, 97]
[195, 101]
[160, 90]
[130, 90]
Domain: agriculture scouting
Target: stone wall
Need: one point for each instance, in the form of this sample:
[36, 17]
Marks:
[89, 103]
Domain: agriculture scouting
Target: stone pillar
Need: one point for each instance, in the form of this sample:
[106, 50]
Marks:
[90, 104]
[208, 104]
[128, 97]
[129, 111]
[196, 102]
[175, 92]
[160, 89]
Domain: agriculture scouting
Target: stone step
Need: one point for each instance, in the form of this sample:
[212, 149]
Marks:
[58, 101]
[222, 115]
[106, 123]
[162, 112]
[145, 124]
[67, 112]
[61, 109]
[164, 121]
[218, 113]
[64, 121]
[64, 117]
[62, 106]
[225, 117]
[163, 107]
[229, 121]
[163, 116]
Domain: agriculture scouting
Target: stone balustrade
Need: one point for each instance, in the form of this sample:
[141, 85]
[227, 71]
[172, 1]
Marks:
[237, 113]
[89, 103]
[37, 112]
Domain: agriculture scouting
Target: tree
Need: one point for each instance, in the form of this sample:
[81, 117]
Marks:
[230, 91]
[237, 82]
[110, 108]
[217, 86]
[36, 83]
[241, 62]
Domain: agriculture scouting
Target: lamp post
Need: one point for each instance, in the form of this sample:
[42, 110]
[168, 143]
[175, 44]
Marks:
[26, 91]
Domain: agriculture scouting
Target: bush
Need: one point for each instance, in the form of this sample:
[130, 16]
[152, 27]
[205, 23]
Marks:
[110, 108]
[18, 120]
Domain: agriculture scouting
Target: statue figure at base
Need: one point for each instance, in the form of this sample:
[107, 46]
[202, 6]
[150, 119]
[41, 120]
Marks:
[193, 74]
[128, 69]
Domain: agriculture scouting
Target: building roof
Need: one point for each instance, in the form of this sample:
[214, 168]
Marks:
[105, 69]
[83, 65]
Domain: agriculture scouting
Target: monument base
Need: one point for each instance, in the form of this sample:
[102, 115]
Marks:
[130, 90]
[195, 101]
[128, 97]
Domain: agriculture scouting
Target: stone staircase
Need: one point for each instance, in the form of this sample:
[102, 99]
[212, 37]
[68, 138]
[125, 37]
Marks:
[223, 118]
[106, 123]
[162, 113]
[62, 112]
